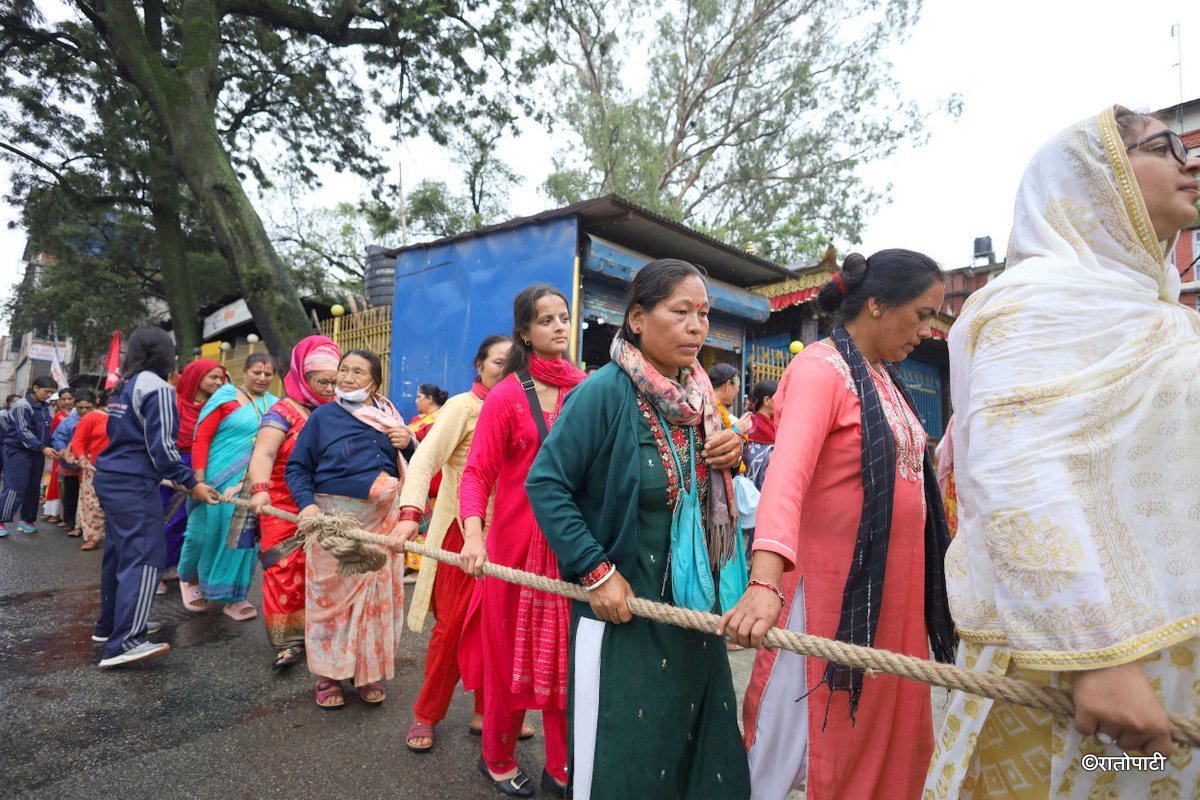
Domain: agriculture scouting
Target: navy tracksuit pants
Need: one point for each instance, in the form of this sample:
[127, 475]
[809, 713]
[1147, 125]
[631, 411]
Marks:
[134, 553]
[21, 489]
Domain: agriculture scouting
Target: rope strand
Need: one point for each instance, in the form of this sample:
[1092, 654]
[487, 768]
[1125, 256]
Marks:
[357, 550]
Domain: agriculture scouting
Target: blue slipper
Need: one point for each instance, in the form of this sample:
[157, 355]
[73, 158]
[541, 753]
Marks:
[25, 527]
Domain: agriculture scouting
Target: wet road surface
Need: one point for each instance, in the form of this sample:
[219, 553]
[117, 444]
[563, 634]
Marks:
[208, 720]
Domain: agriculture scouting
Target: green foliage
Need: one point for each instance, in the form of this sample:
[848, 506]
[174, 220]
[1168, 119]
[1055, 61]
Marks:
[200, 85]
[749, 119]
[102, 273]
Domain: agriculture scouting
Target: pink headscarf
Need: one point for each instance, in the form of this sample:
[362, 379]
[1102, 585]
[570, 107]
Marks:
[311, 354]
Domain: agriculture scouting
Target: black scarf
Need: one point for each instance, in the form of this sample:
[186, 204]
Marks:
[863, 594]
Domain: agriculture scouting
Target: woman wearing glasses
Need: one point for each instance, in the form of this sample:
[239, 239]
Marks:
[1077, 548]
[309, 383]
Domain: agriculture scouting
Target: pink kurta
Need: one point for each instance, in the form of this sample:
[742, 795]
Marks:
[505, 444]
[809, 513]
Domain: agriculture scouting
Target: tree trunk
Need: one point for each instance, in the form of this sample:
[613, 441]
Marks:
[172, 254]
[201, 159]
[182, 97]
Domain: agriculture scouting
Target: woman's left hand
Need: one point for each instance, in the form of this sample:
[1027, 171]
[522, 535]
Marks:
[723, 450]
[400, 437]
[755, 614]
[233, 491]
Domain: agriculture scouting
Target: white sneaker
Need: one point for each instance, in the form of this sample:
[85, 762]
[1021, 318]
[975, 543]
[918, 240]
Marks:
[151, 629]
[142, 651]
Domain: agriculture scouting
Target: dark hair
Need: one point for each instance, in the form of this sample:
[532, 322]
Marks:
[12, 398]
[84, 396]
[43, 382]
[67, 390]
[434, 392]
[721, 374]
[524, 315]
[485, 347]
[893, 277]
[373, 360]
[651, 285]
[761, 391]
[260, 358]
[1131, 124]
[102, 398]
[150, 349]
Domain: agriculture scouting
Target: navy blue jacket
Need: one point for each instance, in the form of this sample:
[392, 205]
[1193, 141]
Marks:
[28, 425]
[143, 425]
[337, 454]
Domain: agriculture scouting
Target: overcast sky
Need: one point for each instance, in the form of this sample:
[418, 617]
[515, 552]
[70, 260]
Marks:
[1025, 69]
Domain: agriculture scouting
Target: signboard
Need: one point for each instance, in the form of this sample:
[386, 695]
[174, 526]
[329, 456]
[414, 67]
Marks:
[228, 317]
[44, 351]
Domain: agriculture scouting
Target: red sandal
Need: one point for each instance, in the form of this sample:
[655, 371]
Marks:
[372, 693]
[419, 730]
[330, 694]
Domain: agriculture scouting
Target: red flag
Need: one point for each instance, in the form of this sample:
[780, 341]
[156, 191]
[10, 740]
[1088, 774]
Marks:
[112, 365]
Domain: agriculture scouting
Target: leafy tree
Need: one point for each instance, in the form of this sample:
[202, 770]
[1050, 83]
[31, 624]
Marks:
[103, 272]
[214, 78]
[435, 210]
[753, 119]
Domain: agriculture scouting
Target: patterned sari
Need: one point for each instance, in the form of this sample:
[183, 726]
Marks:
[1075, 457]
[353, 623]
[224, 573]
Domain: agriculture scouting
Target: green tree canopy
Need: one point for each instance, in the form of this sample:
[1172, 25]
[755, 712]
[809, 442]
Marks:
[747, 118]
[210, 80]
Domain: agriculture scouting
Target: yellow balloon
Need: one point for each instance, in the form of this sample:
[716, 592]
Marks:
[796, 347]
[337, 310]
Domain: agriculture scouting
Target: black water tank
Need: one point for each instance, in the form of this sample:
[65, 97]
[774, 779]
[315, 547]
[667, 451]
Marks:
[983, 247]
[379, 283]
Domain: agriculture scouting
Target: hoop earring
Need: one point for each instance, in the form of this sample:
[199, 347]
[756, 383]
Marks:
[527, 344]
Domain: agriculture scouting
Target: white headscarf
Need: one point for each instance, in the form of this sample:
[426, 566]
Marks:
[1076, 384]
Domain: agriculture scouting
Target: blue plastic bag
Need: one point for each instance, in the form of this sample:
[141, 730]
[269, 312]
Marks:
[691, 577]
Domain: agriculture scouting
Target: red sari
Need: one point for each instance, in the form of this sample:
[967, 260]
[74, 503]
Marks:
[283, 580]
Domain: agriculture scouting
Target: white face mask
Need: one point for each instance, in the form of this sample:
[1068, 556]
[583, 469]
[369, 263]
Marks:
[356, 396]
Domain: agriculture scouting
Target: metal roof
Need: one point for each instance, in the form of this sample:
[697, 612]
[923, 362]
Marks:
[630, 225]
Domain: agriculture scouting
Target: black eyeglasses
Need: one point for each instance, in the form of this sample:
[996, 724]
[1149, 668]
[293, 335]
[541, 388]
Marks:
[1179, 150]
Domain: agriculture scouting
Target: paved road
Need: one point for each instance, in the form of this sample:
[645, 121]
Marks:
[209, 720]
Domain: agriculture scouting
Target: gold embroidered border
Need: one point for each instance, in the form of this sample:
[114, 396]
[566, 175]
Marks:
[1135, 206]
[1123, 653]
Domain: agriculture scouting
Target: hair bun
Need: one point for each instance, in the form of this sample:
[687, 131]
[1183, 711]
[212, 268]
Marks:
[854, 265]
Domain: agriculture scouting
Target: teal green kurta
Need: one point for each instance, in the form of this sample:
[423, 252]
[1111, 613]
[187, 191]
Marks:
[668, 713]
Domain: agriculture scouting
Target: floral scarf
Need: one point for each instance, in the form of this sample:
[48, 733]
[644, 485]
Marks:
[688, 403]
[311, 354]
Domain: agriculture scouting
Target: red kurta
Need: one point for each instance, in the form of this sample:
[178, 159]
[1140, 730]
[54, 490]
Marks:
[809, 513]
[505, 444]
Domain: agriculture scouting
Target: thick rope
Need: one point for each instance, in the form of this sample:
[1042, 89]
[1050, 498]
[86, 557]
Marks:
[357, 550]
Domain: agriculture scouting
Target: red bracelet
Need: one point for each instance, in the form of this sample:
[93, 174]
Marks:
[255, 488]
[767, 585]
[597, 575]
[411, 514]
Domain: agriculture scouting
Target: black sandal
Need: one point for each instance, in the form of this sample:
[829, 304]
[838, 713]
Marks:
[551, 786]
[288, 656]
[519, 785]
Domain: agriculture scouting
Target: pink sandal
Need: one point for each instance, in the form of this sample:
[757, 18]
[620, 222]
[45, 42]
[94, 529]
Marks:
[372, 693]
[419, 730]
[330, 694]
[193, 598]
[241, 611]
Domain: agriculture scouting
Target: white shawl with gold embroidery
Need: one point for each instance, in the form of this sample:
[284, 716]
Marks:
[1076, 383]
